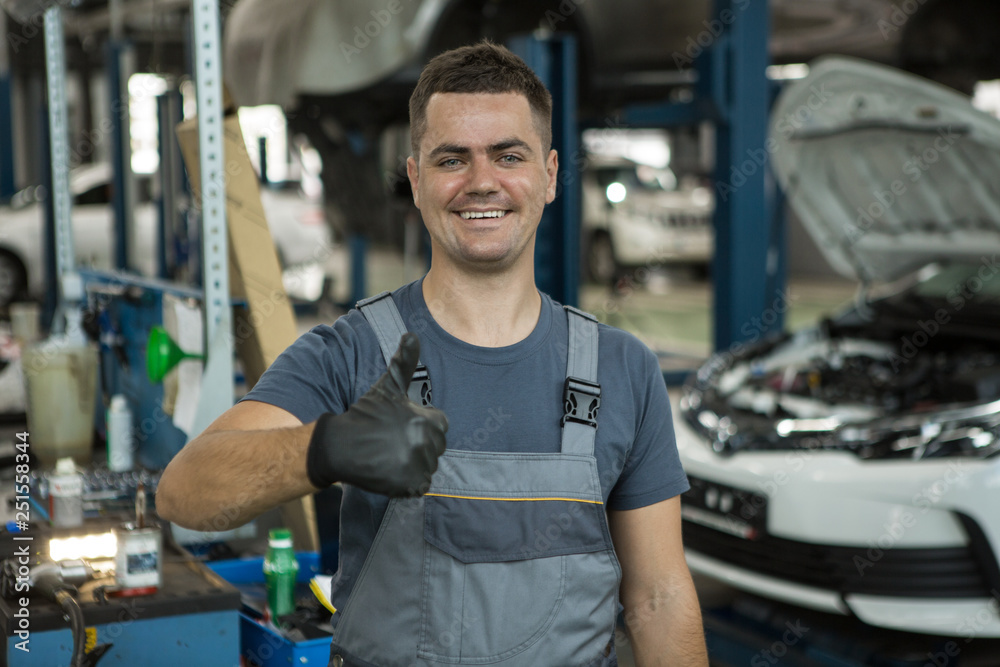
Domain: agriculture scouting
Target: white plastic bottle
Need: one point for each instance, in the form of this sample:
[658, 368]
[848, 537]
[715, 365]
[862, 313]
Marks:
[66, 495]
[119, 434]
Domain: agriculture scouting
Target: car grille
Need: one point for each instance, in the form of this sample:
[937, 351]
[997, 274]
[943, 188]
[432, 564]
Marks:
[686, 220]
[897, 572]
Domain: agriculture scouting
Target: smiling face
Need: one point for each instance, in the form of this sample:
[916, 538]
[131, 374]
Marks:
[481, 180]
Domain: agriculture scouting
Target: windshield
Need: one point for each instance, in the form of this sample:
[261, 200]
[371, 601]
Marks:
[638, 177]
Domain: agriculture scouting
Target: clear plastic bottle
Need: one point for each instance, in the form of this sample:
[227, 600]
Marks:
[66, 495]
[280, 572]
[119, 434]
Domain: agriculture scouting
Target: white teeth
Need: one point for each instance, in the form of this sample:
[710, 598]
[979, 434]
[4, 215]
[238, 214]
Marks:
[469, 215]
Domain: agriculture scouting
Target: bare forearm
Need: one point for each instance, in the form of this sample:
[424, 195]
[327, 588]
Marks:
[224, 478]
[666, 629]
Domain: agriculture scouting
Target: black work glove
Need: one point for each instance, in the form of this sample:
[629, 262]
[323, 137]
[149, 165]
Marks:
[384, 443]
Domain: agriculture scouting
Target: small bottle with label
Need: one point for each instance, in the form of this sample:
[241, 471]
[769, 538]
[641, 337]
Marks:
[66, 495]
[280, 572]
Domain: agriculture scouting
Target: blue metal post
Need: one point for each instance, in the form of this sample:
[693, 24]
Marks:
[120, 148]
[358, 144]
[7, 186]
[162, 203]
[181, 234]
[166, 202]
[557, 245]
[171, 233]
[49, 232]
[742, 219]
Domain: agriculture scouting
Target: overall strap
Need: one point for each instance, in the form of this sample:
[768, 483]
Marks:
[383, 316]
[581, 391]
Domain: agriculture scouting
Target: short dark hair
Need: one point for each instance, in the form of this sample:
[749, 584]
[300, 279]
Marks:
[480, 68]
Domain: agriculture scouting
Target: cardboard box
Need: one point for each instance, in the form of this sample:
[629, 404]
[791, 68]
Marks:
[266, 326]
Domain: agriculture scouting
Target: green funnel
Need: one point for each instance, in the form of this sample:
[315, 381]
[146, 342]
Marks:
[162, 354]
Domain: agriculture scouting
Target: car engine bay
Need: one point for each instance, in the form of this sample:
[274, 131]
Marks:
[874, 388]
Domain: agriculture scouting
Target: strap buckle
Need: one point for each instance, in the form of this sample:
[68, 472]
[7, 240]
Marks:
[420, 386]
[581, 400]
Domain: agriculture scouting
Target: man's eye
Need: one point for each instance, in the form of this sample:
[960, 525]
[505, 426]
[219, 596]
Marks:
[510, 159]
[450, 162]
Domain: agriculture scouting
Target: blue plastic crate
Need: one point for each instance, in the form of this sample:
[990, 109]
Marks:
[259, 644]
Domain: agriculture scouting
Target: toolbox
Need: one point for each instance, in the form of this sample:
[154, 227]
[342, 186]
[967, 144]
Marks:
[261, 644]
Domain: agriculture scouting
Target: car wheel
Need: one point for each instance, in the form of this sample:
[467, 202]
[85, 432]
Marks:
[602, 267]
[13, 279]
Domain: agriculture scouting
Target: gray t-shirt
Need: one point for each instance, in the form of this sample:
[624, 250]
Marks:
[506, 399]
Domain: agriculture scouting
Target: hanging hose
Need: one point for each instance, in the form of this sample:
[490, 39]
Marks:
[46, 580]
[71, 607]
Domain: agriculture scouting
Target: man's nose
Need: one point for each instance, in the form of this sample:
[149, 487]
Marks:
[482, 176]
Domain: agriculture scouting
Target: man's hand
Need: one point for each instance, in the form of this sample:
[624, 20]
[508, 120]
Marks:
[384, 443]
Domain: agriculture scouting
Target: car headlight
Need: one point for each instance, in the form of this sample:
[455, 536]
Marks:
[616, 192]
[977, 437]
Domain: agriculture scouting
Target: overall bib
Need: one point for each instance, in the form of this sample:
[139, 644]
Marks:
[507, 560]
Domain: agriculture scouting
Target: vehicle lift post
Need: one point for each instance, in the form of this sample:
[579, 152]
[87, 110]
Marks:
[173, 197]
[557, 245]
[119, 57]
[7, 185]
[744, 267]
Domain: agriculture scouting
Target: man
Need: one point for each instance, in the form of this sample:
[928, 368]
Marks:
[504, 556]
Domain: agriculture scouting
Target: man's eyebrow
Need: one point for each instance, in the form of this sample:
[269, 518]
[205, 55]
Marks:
[456, 149]
[507, 144]
[453, 149]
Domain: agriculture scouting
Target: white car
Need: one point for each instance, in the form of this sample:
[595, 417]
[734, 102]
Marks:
[635, 215]
[854, 467]
[301, 236]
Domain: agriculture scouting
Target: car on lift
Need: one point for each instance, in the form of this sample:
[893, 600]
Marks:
[854, 466]
[302, 240]
[640, 216]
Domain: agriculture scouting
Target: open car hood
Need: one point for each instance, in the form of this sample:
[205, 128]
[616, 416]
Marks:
[887, 171]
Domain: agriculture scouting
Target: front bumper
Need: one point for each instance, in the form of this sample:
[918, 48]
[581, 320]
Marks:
[646, 243]
[909, 545]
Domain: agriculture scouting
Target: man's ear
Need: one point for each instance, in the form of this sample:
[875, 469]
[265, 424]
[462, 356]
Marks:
[551, 171]
[414, 175]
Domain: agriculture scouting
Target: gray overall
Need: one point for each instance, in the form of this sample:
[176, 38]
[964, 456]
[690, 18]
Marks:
[507, 560]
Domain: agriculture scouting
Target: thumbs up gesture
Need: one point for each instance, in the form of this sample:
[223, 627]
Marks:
[384, 443]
